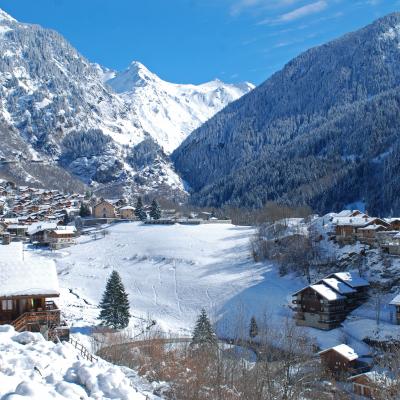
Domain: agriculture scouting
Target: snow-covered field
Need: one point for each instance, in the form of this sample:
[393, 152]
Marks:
[171, 272]
[32, 368]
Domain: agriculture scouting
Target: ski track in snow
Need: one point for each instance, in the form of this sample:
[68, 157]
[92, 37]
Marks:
[171, 272]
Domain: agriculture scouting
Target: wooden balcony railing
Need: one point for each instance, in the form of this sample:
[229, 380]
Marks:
[49, 316]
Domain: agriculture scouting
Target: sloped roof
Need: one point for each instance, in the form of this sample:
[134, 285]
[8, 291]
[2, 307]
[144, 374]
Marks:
[326, 292]
[339, 286]
[344, 350]
[396, 301]
[351, 279]
[42, 226]
[24, 276]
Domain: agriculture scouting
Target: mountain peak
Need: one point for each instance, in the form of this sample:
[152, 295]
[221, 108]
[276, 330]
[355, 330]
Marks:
[6, 17]
[136, 75]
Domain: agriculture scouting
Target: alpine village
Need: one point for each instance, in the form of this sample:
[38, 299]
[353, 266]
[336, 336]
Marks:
[217, 241]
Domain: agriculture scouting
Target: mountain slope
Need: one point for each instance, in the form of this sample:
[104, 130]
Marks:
[68, 116]
[319, 132]
[169, 111]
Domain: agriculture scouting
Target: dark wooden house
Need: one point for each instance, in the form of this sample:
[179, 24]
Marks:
[320, 307]
[325, 304]
[27, 294]
[339, 360]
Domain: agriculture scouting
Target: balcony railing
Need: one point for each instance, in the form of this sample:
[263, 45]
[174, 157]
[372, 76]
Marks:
[49, 316]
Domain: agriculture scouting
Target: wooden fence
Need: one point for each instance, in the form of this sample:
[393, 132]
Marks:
[84, 352]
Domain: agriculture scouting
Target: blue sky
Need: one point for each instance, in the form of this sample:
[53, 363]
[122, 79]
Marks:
[198, 40]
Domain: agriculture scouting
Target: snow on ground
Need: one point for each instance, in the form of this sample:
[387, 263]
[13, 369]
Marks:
[32, 368]
[172, 271]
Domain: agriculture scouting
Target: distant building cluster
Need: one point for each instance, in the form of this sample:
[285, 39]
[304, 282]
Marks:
[353, 225]
[39, 215]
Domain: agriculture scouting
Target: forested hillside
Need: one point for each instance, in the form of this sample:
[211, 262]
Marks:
[324, 131]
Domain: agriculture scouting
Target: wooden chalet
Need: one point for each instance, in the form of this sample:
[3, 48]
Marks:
[27, 291]
[325, 304]
[372, 383]
[320, 307]
[61, 237]
[38, 232]
[339, 360]
[349, 229]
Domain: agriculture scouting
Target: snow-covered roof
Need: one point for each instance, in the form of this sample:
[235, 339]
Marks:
[339, 286]
[396, 301]
[326, 292]
[372, 228]
[384, 377]
[351, 279]
[23, 277]
[16, 226]
[62, 230]
[354, 221]
[41, 226]
[127, 208]
[344, 350]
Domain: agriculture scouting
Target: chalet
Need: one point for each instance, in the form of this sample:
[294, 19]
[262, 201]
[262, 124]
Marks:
[27, 291]
[325, 304]
[369, 384]
[61, 237]
[368, 234]
[346, 228]
[127, 212]
[339, 360]
[396, 303]
[320, 307]
[104, 209]
[38, 232]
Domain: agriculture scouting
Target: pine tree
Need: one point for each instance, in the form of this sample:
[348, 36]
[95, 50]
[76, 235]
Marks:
[203, 334]
[139, 212]
[115, 304]
[84, 210]
[253, 331]
[155, 211]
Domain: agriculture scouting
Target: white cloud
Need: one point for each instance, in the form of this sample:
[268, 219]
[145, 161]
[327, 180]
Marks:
[301, 12]
[240, 6]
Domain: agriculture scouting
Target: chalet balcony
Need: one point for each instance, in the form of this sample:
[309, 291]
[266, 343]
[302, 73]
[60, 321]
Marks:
[49, 316]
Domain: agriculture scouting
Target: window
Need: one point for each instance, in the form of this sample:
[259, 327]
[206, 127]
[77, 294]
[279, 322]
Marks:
[7, 305]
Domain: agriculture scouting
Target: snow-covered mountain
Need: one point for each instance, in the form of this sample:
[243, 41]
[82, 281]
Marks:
[67, 115]
[169, 111]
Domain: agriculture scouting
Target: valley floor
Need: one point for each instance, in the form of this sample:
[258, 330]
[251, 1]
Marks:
[171, 272]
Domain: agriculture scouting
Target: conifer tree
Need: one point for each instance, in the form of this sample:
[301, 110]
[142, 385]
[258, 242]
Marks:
[139, 212]
[84, 210]
[203, 334]
[115, 304]
[155, 211]
[253, 331]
